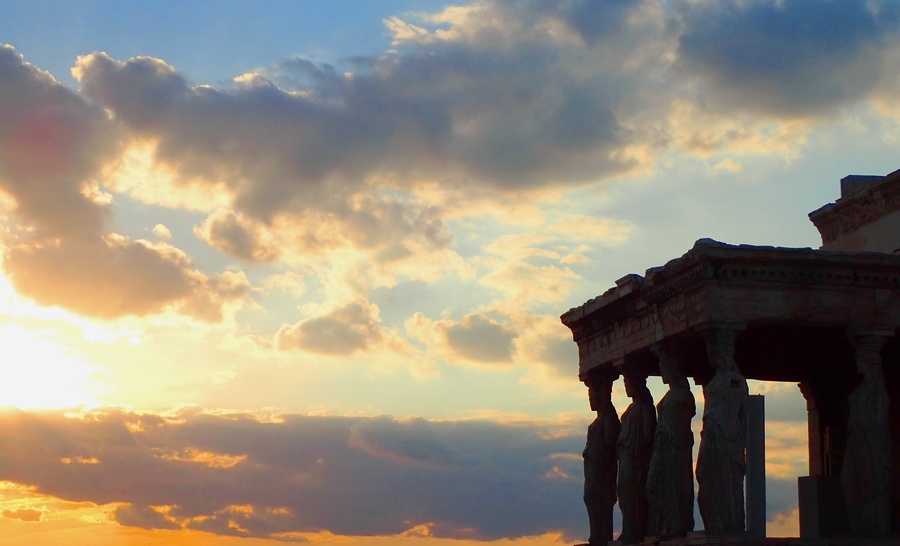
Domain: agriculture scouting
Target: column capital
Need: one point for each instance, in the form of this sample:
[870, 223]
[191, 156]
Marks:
[809, 393]
[720, 337]
[735, 326]
[867, 343]
[599, 375]
[863, 337]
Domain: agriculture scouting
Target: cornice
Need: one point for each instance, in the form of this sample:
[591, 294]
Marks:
[710, 262]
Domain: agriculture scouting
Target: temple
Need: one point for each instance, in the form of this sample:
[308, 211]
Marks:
[826, 319]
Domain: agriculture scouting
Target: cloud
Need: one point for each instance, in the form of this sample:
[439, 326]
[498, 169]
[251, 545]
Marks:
[351, 157]
[253, 476]
[545, 343]
[479, 480]
[476, 338]
[145, 517]
[116, 277]
[53, 145]
[237, 236]
[530, 285]
[161, 231]
[273, 149]
[369, 165]
[289, 282]
[24, 514]
[787, 59]
[343, 331]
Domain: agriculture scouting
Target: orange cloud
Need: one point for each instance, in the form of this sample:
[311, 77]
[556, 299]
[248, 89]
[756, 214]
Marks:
[295, 476]
[117, 276]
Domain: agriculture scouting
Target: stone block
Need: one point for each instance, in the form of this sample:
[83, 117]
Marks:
[822, 510]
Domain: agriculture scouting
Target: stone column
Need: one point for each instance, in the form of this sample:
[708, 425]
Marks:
[820, 496]
[634, 449]
[721, 459]
[600, 466]
[866, 472]
[756, 466]
[670, 480]
[814, 432]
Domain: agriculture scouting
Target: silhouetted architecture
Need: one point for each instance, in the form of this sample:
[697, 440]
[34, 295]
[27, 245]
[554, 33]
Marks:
[670, 480]
[600, 463]
[826, 319]
[634, 449]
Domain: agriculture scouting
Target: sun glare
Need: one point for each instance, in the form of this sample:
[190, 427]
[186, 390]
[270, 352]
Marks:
[38, 373]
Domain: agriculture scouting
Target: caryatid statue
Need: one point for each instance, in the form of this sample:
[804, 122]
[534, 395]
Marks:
[670, 481]
[721, 461]
[866, 470]
[634, 450]
[600, 459]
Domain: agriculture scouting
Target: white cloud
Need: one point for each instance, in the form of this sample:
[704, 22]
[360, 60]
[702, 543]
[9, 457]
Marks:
[161, 231]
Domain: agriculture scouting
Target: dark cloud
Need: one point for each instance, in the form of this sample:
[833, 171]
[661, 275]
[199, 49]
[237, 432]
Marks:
[51, 143]
[237, 236]
[235, 474]
[480, 338]
[593, 20]
[781, 497]
[792, 58]
[500, 97]
[143, 516]
[354, 327]
[308, 136]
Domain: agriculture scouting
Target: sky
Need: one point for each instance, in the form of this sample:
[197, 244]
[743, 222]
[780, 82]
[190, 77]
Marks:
[292, 271]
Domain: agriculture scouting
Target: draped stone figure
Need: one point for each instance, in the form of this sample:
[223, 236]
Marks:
[721, 459]
[866, 471]
[670, 480]
[600, 461]
[634, 449]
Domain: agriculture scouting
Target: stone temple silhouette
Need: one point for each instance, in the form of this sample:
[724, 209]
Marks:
[827, 319]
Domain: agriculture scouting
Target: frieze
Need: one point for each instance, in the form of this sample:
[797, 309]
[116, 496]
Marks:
[676, 315]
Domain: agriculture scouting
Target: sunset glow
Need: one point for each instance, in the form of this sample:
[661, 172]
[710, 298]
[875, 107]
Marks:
[39, 373]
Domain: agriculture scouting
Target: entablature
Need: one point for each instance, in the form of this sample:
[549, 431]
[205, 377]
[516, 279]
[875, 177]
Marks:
[718, 283]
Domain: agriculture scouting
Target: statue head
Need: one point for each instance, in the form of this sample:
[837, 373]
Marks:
[720, 348]
[636, 387]
[599, 390]
[632, 383]
[868, 352]
[671, 373]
